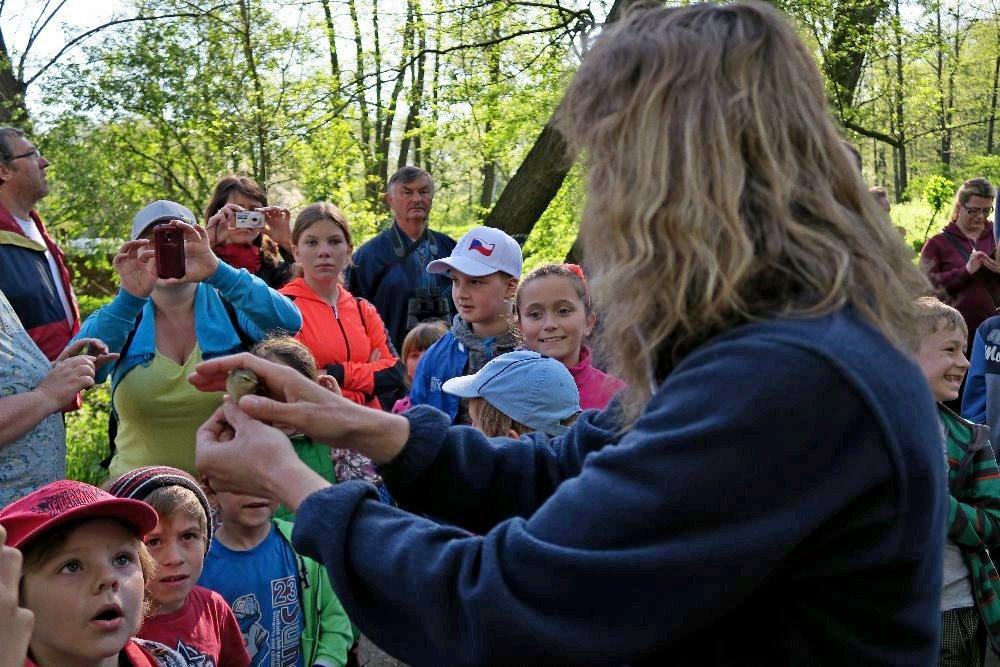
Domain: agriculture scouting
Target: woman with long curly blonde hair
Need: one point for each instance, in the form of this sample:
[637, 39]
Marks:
[771, 490]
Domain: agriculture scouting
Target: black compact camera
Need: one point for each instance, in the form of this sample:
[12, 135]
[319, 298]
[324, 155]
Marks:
[425, 305]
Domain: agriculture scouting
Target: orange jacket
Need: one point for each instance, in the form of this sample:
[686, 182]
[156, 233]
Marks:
[344, 339]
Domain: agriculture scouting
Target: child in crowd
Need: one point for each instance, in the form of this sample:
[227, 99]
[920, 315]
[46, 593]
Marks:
[333, 465]
[285, 606]
[484, 268]
[190, 619]
[84, 575]
[981, 398]
[970, 608]
[417, 341]
[555, 316]
[519, 392]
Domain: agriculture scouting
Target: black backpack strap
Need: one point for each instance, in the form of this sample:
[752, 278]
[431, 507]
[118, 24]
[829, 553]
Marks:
[401, 255]
[113, 414]
[958, 246]
[246, 342]
[361, 314]
[389, 382]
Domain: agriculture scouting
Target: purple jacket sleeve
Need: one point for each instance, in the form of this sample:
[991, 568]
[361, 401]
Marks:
[937, 259]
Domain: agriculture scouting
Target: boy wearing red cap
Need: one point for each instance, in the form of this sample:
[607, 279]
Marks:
[85, 569]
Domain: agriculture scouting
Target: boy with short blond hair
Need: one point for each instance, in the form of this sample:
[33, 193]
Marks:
[970, 608]
[484, 268]
[284, 603]
[192, 620]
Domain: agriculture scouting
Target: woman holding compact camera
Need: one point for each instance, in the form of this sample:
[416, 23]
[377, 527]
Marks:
[162, 327]
[345, 333]
[246, 233]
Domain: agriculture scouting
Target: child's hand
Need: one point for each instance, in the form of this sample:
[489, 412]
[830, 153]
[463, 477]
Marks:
[329, 382]
[16, 623]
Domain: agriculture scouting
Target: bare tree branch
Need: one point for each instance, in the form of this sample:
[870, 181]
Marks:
[104, 26]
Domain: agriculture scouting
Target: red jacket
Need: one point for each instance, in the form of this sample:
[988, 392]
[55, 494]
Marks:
[343, 340]
[944, 264]
[134, 655]
[26, 281]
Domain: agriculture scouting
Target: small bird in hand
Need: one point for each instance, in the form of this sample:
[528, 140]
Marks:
[241, 382]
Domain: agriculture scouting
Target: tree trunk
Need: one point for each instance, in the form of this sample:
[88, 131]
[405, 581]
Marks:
[12, 108]
[901, 172]
[331, 36]
[488, 168]
[541, 174]
[388, 117]
[533, 185]
[412, 127]
[949, 132]
[364, 119]
[261, 159]
[939, 75]
[850, 40]
[427, 161]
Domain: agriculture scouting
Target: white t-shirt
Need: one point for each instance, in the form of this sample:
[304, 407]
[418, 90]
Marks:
[31, 231]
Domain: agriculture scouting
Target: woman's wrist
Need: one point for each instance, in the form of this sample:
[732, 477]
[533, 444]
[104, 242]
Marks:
[45, 401]
[378, 435]
[293, 483]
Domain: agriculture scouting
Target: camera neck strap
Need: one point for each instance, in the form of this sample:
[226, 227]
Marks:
[402, 252]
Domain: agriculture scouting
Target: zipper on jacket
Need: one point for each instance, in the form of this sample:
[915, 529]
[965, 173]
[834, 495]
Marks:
[343, 332]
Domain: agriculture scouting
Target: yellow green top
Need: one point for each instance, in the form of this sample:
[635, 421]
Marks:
[159, 412]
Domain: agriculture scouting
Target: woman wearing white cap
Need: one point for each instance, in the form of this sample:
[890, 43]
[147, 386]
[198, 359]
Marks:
[770, 489]
[163, 327]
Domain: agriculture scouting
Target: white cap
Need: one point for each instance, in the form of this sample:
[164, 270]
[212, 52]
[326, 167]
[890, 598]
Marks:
[160, 211]
[482, 251]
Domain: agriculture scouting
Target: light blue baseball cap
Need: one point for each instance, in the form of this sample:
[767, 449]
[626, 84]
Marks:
[528, 387]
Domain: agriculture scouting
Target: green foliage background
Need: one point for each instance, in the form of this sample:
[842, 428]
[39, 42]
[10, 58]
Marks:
[319, 109]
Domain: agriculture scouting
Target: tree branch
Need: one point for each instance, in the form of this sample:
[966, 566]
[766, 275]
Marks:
[93, 31]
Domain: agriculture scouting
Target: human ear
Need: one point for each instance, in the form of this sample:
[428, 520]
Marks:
[511, 288]
[511, 433]
[591, 321]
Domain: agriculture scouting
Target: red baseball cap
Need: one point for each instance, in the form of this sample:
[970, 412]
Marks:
[56, 503]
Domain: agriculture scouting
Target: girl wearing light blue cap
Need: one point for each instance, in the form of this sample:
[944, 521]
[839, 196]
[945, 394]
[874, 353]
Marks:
[519, 392]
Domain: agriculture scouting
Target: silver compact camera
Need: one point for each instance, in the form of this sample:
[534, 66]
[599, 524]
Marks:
[249, 219]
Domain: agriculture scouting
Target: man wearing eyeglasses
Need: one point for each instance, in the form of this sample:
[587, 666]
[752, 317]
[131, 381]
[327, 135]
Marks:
[34, 276]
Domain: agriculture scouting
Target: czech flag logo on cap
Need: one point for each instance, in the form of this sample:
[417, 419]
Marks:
[485, 249]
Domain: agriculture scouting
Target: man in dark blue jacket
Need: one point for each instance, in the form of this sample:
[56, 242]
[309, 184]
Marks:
[390, 269]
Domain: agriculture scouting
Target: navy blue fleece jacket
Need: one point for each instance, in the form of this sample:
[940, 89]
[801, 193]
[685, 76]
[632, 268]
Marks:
[779, 501]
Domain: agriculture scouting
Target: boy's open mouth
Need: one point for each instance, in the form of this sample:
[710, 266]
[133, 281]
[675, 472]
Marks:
[108, 613]
[257, 505]
[173, 578]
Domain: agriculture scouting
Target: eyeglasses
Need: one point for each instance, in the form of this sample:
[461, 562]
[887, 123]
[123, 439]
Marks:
[33, 153]
[977, 211]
